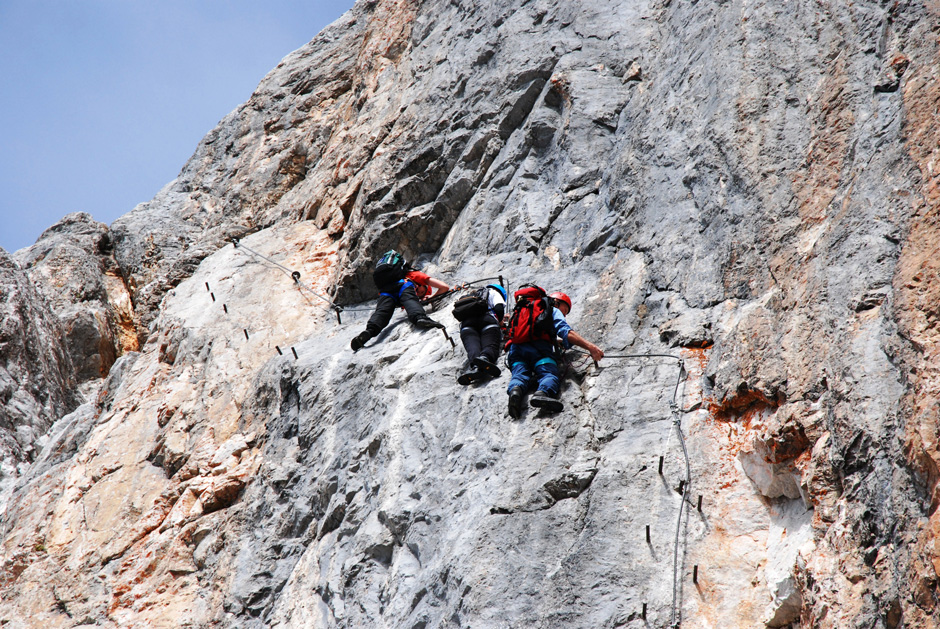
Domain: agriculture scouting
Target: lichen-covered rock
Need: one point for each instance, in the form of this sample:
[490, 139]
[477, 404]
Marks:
[741, 200]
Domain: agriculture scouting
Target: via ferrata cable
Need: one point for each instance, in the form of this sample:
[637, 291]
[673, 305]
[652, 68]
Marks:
[294, 275]
[677, 419]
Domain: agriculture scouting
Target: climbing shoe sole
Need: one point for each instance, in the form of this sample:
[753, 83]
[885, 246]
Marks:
[486, 367]
[546, 402]
[359, 341]
[469, 377]
[427, 324]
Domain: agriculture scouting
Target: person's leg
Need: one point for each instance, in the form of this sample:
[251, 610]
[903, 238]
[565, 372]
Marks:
[490, 338]
[519, 364]
[471, 342]
[384, 309]
[470, 335]
[412, 305]
[520, 379]
[546, 371]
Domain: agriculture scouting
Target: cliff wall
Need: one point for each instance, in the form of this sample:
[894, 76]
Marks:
[749, 187]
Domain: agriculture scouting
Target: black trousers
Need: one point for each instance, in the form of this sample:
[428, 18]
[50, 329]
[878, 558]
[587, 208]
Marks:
[481, 336]
[385, 308]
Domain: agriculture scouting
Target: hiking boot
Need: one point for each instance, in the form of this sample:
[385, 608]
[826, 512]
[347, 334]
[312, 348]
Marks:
[515, 403]
[426, 323]
[359, 340]
[486, 367]
[471, 375]
[541, 399]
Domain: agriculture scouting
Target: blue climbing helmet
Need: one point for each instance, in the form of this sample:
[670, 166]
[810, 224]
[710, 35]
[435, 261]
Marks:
[500, 289]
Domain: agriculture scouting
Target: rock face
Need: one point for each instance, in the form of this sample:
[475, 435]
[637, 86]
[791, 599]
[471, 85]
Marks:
[72, 265]
[741, 199]
[37, 380]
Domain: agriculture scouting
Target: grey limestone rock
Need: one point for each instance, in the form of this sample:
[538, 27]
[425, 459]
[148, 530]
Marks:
[739, 197]
[37, 380]
[72, 264]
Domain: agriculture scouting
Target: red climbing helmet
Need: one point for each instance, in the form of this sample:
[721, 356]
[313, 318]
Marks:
[559, 296]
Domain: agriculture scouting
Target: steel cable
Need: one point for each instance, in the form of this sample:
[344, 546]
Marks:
[677, 418]
[676, 619]
[294, 275]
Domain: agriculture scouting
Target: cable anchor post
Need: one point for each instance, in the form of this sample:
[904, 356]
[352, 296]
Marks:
[447, 336]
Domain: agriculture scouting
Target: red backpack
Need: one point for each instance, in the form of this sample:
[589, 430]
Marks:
[532, 318]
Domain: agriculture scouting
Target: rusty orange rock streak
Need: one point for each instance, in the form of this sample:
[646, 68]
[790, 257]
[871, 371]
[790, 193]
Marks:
[815, 187]
[917, 286]
[120, 299]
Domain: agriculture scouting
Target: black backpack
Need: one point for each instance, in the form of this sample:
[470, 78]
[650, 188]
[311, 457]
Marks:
[390, 269]
[472, 305]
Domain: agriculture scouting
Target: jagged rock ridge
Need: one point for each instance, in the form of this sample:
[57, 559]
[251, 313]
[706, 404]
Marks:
[748, 186]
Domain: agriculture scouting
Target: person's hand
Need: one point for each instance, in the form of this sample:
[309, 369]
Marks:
[596, 352]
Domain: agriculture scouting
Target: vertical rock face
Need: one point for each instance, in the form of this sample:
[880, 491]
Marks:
[747, 191]
[37, 381]
[72, 265]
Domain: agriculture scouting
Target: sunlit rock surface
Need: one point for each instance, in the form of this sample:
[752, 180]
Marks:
[747, 191]
[37, 379]
[73, 267]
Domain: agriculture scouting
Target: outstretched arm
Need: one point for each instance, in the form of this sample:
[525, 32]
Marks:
[439, 285]
[576, 339]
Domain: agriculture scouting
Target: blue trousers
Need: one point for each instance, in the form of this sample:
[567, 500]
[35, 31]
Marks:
[538, 359]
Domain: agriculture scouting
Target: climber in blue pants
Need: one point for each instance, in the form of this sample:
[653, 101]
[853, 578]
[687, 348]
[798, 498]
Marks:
[538, 357]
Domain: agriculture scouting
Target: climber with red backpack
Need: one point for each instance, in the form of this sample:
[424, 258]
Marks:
[480, 314]
[399, 285]
[538, 319]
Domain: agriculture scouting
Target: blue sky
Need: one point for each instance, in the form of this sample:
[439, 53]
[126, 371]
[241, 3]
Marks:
[103, 101]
